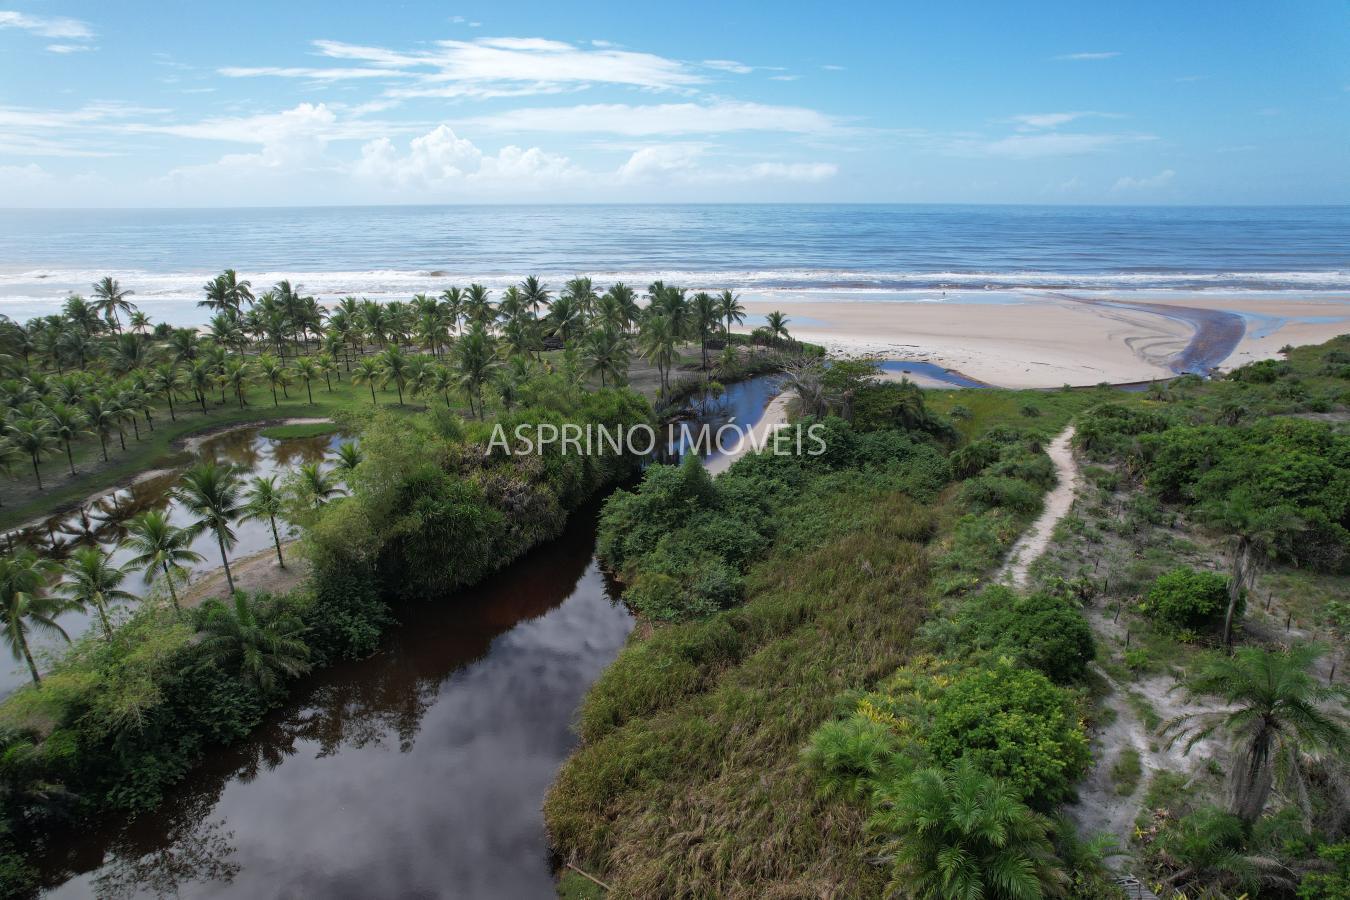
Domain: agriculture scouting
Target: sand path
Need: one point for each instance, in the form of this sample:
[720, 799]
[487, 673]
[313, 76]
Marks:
[1035, 539]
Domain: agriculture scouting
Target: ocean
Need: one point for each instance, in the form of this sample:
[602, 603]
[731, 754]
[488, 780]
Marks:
[786, 251]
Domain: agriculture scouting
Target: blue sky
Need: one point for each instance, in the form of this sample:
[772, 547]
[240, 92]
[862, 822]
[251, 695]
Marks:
[251, 103]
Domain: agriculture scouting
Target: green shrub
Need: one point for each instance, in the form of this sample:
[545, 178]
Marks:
[998, 492]
[1186, 598]
[1044, 631]
[851, 757]
[1014, 724]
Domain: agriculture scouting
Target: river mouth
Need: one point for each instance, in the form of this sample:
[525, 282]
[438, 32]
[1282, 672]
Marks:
[416, 772]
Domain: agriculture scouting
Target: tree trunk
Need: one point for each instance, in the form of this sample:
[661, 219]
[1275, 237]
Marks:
[225, 561]
[1235, 585]
[172, 416]
[69, 458]
[309, 392]
[173, 594]
[28, 657]
[1251, 778]
[103, 614]
[36, 473]
[277, 540]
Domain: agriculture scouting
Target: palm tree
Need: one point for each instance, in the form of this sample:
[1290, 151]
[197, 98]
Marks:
[957, 832]
[625, 304]
[478, 305]
[34, 437]
[110, 299]
[139, 322]
[25, 605]
[101, 415]
[92, 580]
[211, 493]
[452, 301]
[565, 319]
[475, 359]
[307, 370]
[369, 371]
[67, 425]
[227, 292]
[201, 376]
[160, 547]
[729, 309]
[534, 293]
[581, 291]
[656, 343]
[776, 322]
[705, 312]
[394, 366]
[166, 380]
[259, 639]
[265, 502]
[607, 353]
[236, 375]
[349, 456]
[276, 373]
[316, 484]
[1276, 718]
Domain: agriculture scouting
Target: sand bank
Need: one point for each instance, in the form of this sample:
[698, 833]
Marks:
[1047, 340]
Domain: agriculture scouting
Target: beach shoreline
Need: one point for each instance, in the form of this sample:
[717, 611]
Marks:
[1049, 339]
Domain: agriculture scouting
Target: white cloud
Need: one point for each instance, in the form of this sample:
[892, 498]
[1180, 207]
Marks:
[440, 158]
[729, 65]
[721, 116]
[664, 163]
[25, 131]
[1151, 182]
[315, 74]
[525, 65]
[1031, 146]
[784, 77]
[306, 122]
[1031, 121]
[48, 27]
[832, 68]
[1108, 54]
[68, 48]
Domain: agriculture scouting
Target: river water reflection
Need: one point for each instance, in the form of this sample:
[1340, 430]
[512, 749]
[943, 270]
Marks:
[418, 772]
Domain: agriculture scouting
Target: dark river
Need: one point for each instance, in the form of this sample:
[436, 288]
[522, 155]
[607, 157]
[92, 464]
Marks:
[419, 772]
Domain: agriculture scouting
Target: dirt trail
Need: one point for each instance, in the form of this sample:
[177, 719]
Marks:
[1033, 543]
[1100, 808]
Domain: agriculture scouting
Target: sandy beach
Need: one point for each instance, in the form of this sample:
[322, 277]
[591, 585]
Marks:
[1042, 339]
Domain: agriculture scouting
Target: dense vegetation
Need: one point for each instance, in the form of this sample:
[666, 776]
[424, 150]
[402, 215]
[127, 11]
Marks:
[1214, 534]
[832, 698]
[428, 504]
[757, 743]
